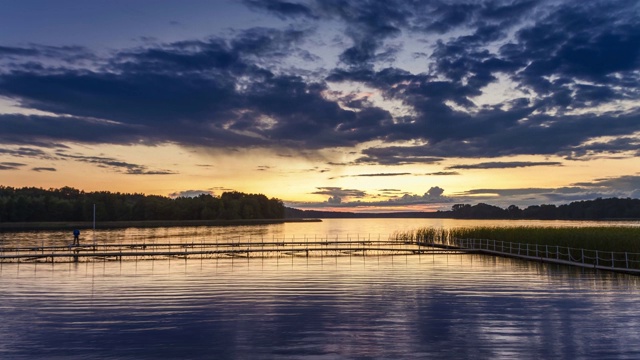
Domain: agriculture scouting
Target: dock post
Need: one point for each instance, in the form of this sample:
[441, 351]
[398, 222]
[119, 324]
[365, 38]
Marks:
[582, 251]
[349, 242]
[597, 258]
[612, 261]
[626, 259]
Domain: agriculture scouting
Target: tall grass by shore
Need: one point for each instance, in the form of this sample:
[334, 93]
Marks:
[615, 239]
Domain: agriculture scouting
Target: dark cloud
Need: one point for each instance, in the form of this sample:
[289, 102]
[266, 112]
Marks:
[48, 131]
[336, 194]
[622, 183]
[190, 193]
[25, 152]
[36, 53]
[114, 164]
[40, 169]
[193, 93]
[11, 165]
[221, 189]
[371, 175]
[580, 42]
[383, 174]
[396, 155]
[442, 173]
[435, 191]
[522, 126]
[619, 145]
[505, 165]
[370, 24]
[340, 192]
[283, 9]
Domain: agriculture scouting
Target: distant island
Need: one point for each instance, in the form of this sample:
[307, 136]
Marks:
[30, 204]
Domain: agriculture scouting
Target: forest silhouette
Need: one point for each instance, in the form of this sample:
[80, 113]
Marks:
[30, 204]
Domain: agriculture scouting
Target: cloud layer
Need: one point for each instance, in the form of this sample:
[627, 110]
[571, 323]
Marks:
[572, 67]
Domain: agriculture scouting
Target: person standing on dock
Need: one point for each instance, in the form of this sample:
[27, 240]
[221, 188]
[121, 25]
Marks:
[76, 237]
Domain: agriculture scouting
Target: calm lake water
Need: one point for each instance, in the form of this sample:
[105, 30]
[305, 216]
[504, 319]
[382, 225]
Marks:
[387, 307]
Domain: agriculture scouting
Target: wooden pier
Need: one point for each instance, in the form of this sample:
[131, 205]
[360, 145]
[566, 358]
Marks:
[218, 249]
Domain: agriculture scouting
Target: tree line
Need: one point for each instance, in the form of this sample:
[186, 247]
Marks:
[598, 209]
[30, 204]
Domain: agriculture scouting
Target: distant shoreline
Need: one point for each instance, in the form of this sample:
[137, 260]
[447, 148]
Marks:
[29, 226]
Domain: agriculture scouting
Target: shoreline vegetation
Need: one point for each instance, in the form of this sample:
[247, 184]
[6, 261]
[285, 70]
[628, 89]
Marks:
[603, 238]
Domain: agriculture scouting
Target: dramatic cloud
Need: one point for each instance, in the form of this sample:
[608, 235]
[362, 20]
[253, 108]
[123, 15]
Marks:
[239, 92]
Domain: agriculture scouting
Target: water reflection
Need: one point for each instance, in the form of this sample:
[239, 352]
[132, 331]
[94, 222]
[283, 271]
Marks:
[354, 229]
[462, 306]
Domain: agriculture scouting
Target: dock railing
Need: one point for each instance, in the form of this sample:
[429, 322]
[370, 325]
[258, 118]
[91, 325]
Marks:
[598, 259]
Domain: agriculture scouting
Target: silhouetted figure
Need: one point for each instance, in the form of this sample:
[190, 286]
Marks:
[76, 237]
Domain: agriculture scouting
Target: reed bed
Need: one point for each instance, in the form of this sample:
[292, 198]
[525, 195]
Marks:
[624, 239]
[589, 244]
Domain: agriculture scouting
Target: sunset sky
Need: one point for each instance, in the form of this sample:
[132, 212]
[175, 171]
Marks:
[344, 105]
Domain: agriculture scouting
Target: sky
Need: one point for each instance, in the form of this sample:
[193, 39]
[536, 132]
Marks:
[345, 105]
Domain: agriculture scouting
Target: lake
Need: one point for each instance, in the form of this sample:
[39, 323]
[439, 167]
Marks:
[377, 307]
